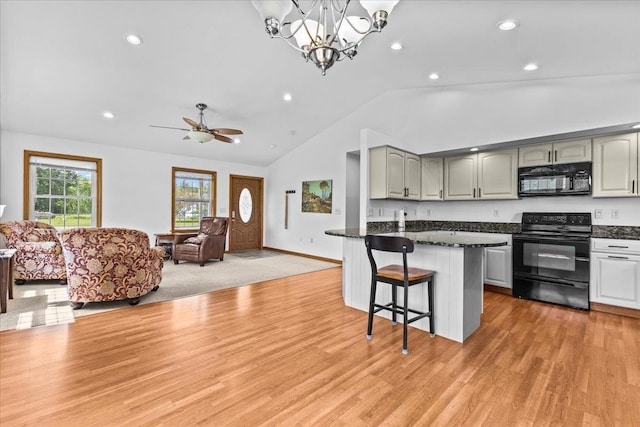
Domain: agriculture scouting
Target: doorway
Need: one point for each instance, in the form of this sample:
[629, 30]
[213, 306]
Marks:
[246, 202]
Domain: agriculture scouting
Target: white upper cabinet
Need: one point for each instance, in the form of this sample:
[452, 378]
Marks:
[461, 177]
[498, 174]
[393, 174]
[560, 152]
[432, 186]
[615, 166]
[412, 175]
[487, 176]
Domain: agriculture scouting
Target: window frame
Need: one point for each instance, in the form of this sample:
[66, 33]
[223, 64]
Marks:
[26, 201]
[212, 201]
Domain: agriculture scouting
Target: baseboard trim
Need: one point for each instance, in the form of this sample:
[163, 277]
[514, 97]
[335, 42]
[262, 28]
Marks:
[497, 289]
[612, 309]
[334, 261]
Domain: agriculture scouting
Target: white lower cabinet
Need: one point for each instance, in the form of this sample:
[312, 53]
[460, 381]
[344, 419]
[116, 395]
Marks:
[615, 272]
[498, 264]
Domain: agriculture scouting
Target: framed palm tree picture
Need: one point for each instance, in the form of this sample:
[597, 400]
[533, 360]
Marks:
[316, 196]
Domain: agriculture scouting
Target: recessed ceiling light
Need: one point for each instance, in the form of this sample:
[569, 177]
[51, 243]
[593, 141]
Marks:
[236, 141]
[636, 126]
[134, 40]
[108, 115]
[434, 76]
[474, 149]
[507, 25]
[287, 97]
[531, 67]
[396, 46]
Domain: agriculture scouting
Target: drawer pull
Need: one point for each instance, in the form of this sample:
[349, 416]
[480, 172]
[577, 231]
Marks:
[617, 246]
[617, 257]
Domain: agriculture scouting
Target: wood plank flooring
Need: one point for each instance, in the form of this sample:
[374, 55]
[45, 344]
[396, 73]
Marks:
[288, 352]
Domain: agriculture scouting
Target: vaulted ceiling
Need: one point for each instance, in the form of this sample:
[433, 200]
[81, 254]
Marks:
[64, 63]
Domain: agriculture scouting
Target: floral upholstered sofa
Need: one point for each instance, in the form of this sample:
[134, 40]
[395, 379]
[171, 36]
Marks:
[108, 264]
[39, 254]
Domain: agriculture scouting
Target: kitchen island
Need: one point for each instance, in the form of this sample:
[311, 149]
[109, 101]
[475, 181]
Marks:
[455, 257]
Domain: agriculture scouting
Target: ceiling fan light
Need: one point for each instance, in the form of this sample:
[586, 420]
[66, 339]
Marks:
[200, 136]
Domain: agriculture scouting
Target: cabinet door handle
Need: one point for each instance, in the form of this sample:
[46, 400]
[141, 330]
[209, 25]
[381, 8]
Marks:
[633, 186]
[479, 193]
[617, 257]
[555, 155]
[549, 156]
[618, 246]
[474, 193]
[441, 193]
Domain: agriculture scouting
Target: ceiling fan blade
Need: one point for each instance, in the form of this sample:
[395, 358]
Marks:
[186, 137]
[167, 127]
[227, 131]
[222, 138]
[191, 122]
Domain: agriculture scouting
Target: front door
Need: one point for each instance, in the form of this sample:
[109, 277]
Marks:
[245, 195]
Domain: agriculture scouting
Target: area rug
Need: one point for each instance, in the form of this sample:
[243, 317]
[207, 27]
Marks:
[46, 303]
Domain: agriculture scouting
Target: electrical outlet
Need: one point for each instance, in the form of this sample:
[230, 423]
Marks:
[428, 212]
[598, 213]
[615, 213]
[380, 211]
[496, 213]
[310, 239]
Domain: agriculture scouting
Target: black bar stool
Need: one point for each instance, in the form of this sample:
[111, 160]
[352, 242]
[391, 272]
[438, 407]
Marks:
[397, 275]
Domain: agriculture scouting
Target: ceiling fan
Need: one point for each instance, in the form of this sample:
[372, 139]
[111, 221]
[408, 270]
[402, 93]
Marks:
[200, 132]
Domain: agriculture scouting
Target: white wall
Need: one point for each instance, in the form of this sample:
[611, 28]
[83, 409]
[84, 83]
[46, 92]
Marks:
[431, 120]
[418, 120]
[136, 185]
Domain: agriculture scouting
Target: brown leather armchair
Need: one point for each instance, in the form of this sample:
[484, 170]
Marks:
[207, 244]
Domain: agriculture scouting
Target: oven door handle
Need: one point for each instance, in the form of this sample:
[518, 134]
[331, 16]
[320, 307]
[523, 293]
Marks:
[582, 259]
[553, 256]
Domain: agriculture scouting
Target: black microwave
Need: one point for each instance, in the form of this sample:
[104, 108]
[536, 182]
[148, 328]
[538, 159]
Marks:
[555, 180]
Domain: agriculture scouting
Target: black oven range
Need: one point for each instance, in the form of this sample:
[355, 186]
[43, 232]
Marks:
[551, 258]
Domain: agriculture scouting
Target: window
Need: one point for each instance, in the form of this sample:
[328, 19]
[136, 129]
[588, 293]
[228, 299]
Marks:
[193, 197]
[62, 190]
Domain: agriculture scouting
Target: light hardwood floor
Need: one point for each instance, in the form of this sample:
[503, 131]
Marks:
[288, 352]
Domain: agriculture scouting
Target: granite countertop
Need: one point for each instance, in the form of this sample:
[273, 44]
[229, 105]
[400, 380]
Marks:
[439, 238]
[616, 232]
[598, 231]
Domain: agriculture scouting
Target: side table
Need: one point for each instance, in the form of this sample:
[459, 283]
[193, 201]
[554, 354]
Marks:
[7, 261]
[166, 240]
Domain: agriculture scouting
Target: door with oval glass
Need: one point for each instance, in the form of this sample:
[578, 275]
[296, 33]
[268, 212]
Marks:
[246, 195]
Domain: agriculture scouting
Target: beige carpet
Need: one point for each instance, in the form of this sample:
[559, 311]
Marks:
[46, 303]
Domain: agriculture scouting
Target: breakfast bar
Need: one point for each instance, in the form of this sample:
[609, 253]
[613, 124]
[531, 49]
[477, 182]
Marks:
[456, 257]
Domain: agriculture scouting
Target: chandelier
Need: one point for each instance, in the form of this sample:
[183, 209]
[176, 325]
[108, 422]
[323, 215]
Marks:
[324, 32]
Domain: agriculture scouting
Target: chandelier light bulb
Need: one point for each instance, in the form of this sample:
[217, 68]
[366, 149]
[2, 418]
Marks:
[273, 13]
